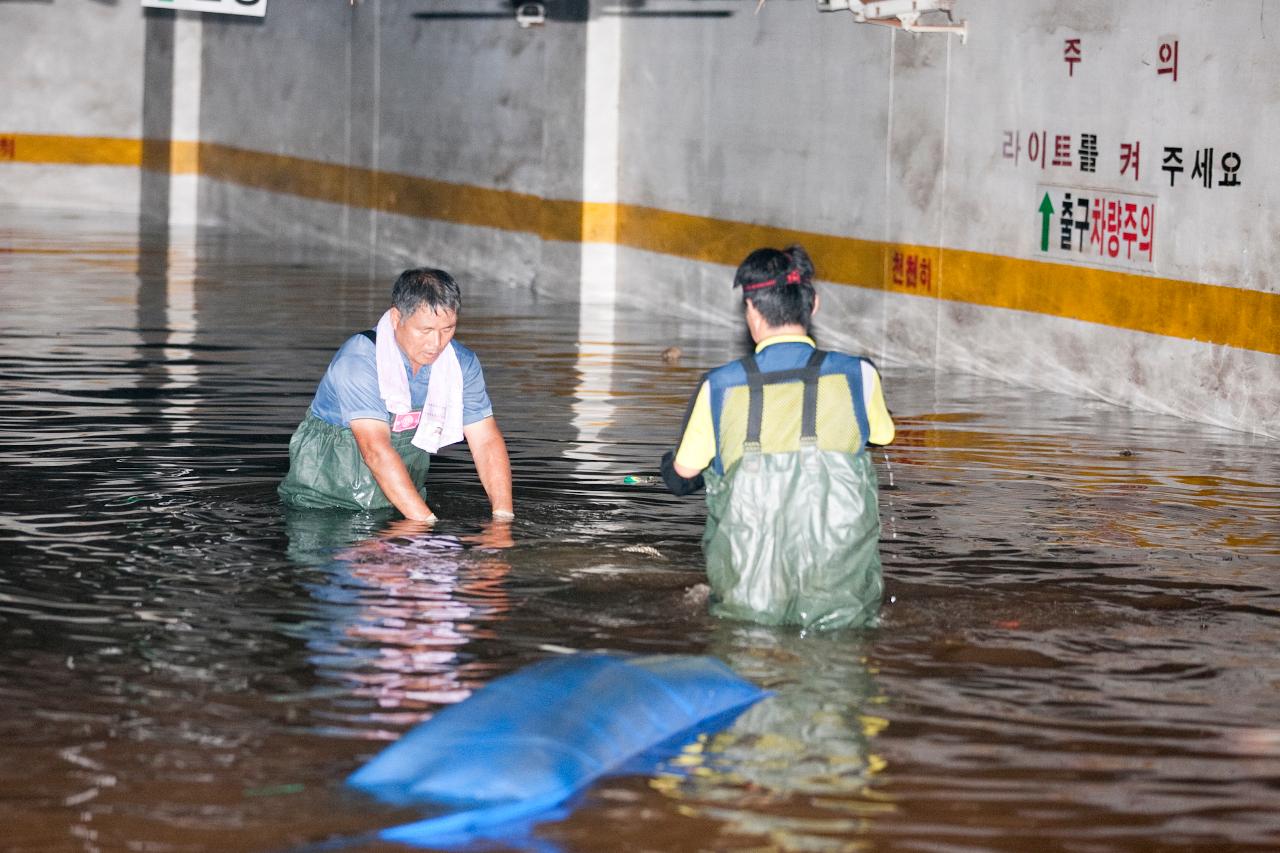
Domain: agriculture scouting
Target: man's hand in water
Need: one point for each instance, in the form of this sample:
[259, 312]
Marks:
[495, 534]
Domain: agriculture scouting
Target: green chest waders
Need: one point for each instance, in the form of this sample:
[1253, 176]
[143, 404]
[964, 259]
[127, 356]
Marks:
[326, 469]
[792, 538]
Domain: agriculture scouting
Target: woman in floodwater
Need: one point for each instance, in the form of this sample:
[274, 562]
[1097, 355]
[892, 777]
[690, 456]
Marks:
[780, 439]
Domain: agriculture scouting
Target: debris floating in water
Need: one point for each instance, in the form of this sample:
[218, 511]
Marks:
[647, 550]
[276, 790]
[697, 596]
[639, 480]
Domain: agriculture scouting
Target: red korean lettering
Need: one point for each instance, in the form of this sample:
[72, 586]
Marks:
[1146, 223]
[1071, 55]
[1062, 149]
[1129, 157]
[1168, 59]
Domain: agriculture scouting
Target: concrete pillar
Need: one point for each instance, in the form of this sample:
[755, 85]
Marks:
[172, 76]
[599, 249]
[184, 127]
[601, 115]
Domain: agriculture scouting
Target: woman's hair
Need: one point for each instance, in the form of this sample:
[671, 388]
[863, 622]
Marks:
[779, 283]
[435, 289]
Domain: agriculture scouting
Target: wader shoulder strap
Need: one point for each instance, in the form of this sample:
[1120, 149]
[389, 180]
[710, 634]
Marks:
[859, 401]
[809, 375]
[755, 403]
[809, 416]
[371, 334]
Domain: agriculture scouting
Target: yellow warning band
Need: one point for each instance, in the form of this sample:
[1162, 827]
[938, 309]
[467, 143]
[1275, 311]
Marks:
[1211, 313]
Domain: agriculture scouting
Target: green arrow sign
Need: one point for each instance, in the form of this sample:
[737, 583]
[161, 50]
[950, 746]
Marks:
[1046, 211]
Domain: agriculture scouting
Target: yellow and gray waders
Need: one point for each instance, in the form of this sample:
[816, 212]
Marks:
[792, 535]
[326, 469]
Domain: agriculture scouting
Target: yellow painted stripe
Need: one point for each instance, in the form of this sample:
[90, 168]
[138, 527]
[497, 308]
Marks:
[74, 150]
[1232, 316]
[184, 157]
[845, 260]
[599, 222]
[1204, 312]
[1210, 313]
[406, 195]
[173, 156]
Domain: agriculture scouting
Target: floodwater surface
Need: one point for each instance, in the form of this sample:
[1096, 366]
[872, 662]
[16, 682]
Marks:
[1078, 648]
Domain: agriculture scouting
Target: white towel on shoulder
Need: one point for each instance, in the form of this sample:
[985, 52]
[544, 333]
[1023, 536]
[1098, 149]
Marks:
[441, 421]
[393, 379]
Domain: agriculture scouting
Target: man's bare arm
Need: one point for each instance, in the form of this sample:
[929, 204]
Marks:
[373, 438]
[489, 450]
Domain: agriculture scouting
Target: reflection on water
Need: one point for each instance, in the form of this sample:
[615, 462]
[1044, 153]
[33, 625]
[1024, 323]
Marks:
[1078, 648]
[402, 605]
[799, 768]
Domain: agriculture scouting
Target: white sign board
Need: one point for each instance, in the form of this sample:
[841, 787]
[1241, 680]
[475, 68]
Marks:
[1107, 228]
[256, 8]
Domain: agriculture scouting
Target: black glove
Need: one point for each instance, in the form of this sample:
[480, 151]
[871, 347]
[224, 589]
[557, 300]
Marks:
[677, 485]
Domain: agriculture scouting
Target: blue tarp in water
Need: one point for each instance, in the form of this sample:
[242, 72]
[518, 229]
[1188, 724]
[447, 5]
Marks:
[527, 742]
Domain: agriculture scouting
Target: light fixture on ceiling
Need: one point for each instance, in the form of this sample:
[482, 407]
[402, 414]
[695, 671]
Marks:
[904, 14]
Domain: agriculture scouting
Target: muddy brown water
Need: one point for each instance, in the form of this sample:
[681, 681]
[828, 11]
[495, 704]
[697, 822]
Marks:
[1078, 649]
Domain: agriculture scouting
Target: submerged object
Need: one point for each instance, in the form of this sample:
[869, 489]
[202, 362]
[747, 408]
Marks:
[526, 742]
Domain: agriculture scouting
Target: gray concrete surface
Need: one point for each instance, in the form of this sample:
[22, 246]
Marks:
[399, 129]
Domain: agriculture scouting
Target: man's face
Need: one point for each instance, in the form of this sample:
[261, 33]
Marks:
[424, 334]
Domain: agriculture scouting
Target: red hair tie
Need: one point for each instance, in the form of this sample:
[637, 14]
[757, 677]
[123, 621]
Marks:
[793, 277]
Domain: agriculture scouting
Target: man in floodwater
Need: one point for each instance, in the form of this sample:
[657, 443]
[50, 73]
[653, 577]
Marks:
[391, 397]
[779, 438]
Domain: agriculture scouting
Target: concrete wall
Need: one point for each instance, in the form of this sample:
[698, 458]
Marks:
[928, 177]
[436, 124]
[777, 119]
[1010, 82]
[919, 144]
[71, 72]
